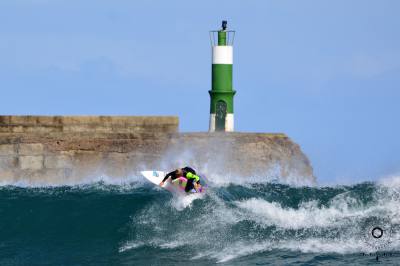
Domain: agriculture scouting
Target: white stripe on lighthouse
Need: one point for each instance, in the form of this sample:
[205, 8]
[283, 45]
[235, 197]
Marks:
[229, 122]
[212, 123]
[222, 55]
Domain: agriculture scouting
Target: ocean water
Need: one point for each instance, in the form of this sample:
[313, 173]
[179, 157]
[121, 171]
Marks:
[243, 222]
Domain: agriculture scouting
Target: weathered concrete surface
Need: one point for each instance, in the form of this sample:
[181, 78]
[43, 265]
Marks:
[68, 150]
[31, 162]
[243, 154]
[92, 124]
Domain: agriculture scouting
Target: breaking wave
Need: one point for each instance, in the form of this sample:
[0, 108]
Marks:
[131, 221]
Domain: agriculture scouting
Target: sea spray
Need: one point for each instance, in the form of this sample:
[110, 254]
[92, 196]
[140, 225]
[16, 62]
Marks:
[129, 221]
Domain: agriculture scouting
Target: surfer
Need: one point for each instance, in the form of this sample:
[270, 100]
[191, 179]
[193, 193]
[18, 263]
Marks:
[193, 180]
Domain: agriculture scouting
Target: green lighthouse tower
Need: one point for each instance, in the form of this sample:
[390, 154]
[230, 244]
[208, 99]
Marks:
[221, 93]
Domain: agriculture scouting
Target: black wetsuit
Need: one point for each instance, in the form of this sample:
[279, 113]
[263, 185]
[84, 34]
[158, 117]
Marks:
[174, 175]
[187, 169]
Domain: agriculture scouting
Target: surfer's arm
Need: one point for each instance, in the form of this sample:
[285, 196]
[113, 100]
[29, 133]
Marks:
[166, 177]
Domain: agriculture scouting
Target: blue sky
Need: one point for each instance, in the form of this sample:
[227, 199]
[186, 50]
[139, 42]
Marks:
[327, 73]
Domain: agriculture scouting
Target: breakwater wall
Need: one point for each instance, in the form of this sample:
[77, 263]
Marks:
[58, 150]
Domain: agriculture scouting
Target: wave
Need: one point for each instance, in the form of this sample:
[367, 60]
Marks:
[231, 221]
[323, 220]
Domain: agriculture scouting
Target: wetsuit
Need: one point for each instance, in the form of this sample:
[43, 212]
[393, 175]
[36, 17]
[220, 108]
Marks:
[187, 169]
[188, 173]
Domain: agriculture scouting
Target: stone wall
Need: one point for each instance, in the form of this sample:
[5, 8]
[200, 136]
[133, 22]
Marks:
[91, 124]
[69, 150]
[241, 154]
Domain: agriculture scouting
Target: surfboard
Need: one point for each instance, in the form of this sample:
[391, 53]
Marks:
[154, 177]
[178, 184]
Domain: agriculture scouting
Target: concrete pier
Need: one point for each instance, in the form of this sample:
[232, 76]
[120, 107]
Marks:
[67, 149]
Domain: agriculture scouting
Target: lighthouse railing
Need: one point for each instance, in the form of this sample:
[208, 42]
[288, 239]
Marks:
[230, 37]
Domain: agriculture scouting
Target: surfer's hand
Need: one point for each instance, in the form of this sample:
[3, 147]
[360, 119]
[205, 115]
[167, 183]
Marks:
[161, 184]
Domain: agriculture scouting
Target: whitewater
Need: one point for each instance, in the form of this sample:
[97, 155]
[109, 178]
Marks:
[239, 221]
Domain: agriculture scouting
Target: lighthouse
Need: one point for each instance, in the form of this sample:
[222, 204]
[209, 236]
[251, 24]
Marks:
[221, 93]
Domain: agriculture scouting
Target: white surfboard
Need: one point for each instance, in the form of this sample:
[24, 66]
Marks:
[154, 177]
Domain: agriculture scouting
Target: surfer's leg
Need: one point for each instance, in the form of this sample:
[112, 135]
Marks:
[189, 185]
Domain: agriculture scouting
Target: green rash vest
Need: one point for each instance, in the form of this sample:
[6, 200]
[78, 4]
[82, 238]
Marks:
[193, 176]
